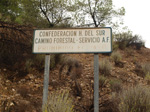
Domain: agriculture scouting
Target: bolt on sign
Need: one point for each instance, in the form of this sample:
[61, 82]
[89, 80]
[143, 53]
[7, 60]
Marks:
[88, 40]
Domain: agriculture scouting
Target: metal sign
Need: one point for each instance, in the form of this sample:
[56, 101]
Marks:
[87, 40]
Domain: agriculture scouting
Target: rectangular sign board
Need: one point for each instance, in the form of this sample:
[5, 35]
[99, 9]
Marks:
[78, 40]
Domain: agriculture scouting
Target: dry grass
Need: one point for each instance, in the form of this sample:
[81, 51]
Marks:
[105, 67]
[74, 68]
[116, 57]
[59, 101]
[146, 68]
[116, 85]
[102, 81]
[135, 99]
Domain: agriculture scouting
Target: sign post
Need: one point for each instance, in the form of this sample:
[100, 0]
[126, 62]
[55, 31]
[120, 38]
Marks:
[46, 79]
[77, 40]
[96, 82]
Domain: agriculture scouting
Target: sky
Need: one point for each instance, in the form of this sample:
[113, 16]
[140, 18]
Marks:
[137, 17]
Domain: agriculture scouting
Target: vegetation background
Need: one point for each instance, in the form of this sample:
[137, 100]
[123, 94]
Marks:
[71, 77]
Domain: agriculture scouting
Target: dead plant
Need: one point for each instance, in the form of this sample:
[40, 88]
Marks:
[74, 68]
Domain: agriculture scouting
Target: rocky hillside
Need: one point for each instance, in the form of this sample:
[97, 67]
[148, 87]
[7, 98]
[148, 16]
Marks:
[24, 94]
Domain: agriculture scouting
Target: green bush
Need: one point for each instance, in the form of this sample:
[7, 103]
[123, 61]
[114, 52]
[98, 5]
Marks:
[137, 41]
[105, 67]
[10, 53]
[123, 39]
[135, 99]
[127, 39]
[116, 57]
[115, 46]
[59, 101]
[38, 61]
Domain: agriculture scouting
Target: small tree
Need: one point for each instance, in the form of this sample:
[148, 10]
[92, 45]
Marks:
[56, 12]
[100, 12]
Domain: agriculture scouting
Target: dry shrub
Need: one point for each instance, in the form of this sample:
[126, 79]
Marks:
[23, 91]
[23, 106]
[134, 60]
[74, 70]
[142, 69]
[16, 105]
[15, 41]
[115, 46]
[74, 67]
[33, 104]
[76, 88]
[146, 68]
[10, 53]
[116, 85]
[110, 106]
[102, 81]
[135, 99]
[138, 70]
[147, 77]
[129, 52]
[116, 57]
[5, 105]
[59, 101]
[38, 61]
[105, 67]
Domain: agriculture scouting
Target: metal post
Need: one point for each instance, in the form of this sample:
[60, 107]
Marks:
[96, 83]
[46, 79]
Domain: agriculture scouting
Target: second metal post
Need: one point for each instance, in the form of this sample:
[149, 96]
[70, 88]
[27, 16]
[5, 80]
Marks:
[96, 83]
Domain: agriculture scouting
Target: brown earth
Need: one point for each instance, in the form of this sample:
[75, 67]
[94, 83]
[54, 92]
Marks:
[25, 94]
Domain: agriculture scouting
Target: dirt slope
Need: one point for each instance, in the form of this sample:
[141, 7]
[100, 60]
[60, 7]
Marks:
[25, 94]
